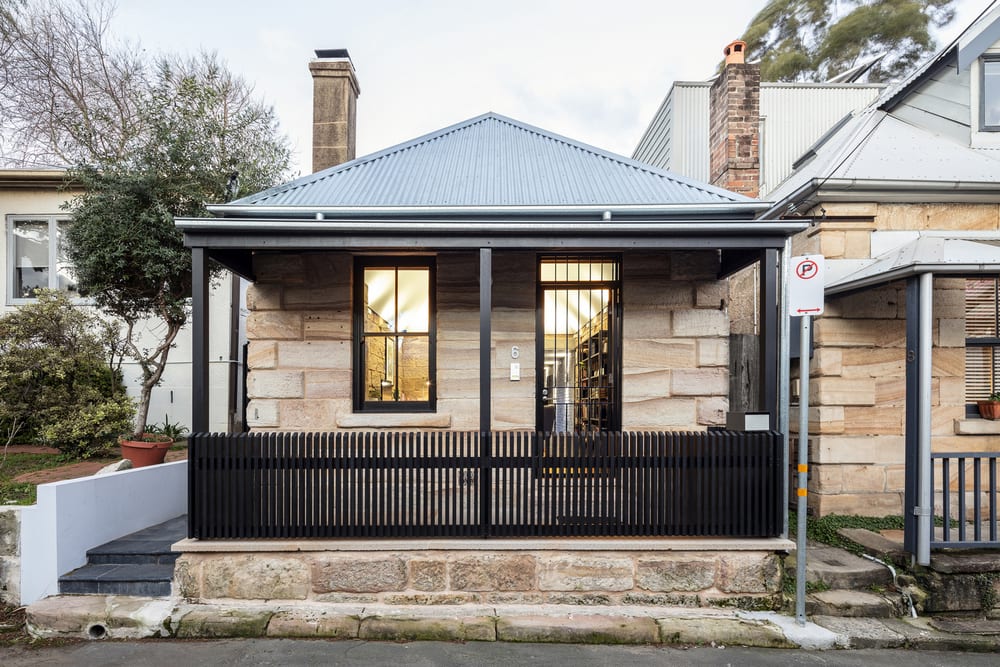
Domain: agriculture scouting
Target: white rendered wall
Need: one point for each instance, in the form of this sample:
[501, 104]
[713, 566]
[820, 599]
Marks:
[73, 516]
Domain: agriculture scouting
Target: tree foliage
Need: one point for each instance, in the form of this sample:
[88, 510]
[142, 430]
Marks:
[59, 382]
[205, 139]
[814, 40]
[148, 139]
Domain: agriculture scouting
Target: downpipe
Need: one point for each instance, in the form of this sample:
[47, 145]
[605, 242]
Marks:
[905, 593]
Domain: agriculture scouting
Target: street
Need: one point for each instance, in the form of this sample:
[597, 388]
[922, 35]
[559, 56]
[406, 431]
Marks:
[177, 653]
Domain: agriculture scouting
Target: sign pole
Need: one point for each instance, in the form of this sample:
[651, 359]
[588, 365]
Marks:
[805, 300]
[803, 479]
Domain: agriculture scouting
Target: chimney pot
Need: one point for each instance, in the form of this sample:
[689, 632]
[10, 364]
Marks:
[735, 52]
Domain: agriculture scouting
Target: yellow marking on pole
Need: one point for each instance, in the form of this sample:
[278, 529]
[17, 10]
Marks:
[802, 492]
[803, 467]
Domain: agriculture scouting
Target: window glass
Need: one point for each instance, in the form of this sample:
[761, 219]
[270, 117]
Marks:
[65, 275]
[38, 256]
[990, 92]
[31, 257]
[395, 351]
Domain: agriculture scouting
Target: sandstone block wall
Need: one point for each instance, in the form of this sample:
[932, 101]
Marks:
[675, 344]
[10, 555]
[858, 371]
[696, 578]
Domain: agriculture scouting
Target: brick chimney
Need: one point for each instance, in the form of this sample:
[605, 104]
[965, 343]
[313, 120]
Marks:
[335, 96]
[734, 124]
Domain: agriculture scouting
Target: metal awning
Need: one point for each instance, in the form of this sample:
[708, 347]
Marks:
[953, 255]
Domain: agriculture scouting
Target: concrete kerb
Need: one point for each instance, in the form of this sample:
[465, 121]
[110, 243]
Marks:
[115, 617]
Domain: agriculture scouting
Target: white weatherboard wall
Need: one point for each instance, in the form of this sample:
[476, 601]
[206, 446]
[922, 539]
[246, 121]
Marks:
[73, 516]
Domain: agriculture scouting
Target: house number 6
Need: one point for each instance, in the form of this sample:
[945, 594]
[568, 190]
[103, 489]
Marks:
[515, 352]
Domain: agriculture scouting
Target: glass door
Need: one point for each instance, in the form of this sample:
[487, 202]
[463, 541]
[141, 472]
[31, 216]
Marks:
[579, 350]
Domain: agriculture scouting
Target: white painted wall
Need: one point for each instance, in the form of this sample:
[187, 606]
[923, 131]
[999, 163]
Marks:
[172, 399]
[73, 516]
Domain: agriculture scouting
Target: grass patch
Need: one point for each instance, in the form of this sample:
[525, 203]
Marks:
[15, 464]
[824, 529]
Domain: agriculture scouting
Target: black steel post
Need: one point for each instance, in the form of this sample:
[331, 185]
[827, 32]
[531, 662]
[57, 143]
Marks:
[485, 379]
[199, 340]
[911, 428]
[769, 334]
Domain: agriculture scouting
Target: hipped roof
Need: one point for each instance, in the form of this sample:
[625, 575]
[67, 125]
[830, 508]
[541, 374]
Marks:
[490, 161]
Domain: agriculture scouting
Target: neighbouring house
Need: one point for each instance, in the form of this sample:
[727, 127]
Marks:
[487, 331]
[31, 207]
[902, 193]
[739, 133]
[905, 202]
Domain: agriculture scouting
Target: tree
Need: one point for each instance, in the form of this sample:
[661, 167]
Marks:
[70, 93]
[204, 139]
[147, 139]
[814, 40]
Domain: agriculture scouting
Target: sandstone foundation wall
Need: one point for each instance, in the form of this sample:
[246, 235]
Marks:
[749, 579]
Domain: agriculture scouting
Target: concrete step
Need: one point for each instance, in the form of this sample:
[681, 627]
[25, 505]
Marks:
[118, 579]
[875, 544]
[839, 569]
[850, 603]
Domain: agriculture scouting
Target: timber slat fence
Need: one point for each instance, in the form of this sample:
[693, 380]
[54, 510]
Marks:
[967, 513]
[467, 484]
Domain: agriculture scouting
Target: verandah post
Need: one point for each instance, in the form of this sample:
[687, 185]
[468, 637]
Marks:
[199, 340]
[485, 376]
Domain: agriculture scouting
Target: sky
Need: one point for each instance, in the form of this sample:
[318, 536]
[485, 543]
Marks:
[592, 70]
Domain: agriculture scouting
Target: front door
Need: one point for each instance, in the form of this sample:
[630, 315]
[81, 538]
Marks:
[579, 346]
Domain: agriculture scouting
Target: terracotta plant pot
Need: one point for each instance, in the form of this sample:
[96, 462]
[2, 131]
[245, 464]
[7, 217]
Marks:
[989, 409]
[147, 452]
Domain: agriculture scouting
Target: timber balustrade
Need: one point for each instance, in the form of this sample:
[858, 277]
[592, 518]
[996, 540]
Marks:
[501, 484]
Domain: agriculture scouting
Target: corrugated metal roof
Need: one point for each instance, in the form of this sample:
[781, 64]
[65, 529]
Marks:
[876, 146]
[793, 117]
[491, 160]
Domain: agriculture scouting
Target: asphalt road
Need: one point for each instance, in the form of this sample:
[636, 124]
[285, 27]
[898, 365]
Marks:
[286, 652]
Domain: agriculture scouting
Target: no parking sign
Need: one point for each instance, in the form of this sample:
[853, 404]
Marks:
[805, 286]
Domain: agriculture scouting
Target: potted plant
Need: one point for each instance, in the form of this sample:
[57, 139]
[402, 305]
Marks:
[990, 409]
[147, 450]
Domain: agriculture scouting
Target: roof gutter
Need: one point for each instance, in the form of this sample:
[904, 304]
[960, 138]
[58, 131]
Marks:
[227, 210]
[845, 189]
[505, 227]
[793, 201]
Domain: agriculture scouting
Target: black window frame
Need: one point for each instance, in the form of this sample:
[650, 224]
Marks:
[983, 126]
[358, 342]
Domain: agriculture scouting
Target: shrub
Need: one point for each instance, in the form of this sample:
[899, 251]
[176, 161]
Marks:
[57, 378]
[91, 429]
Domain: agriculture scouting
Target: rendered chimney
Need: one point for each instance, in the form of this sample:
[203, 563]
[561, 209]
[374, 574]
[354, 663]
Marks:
[335, 95]
[734, 124]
